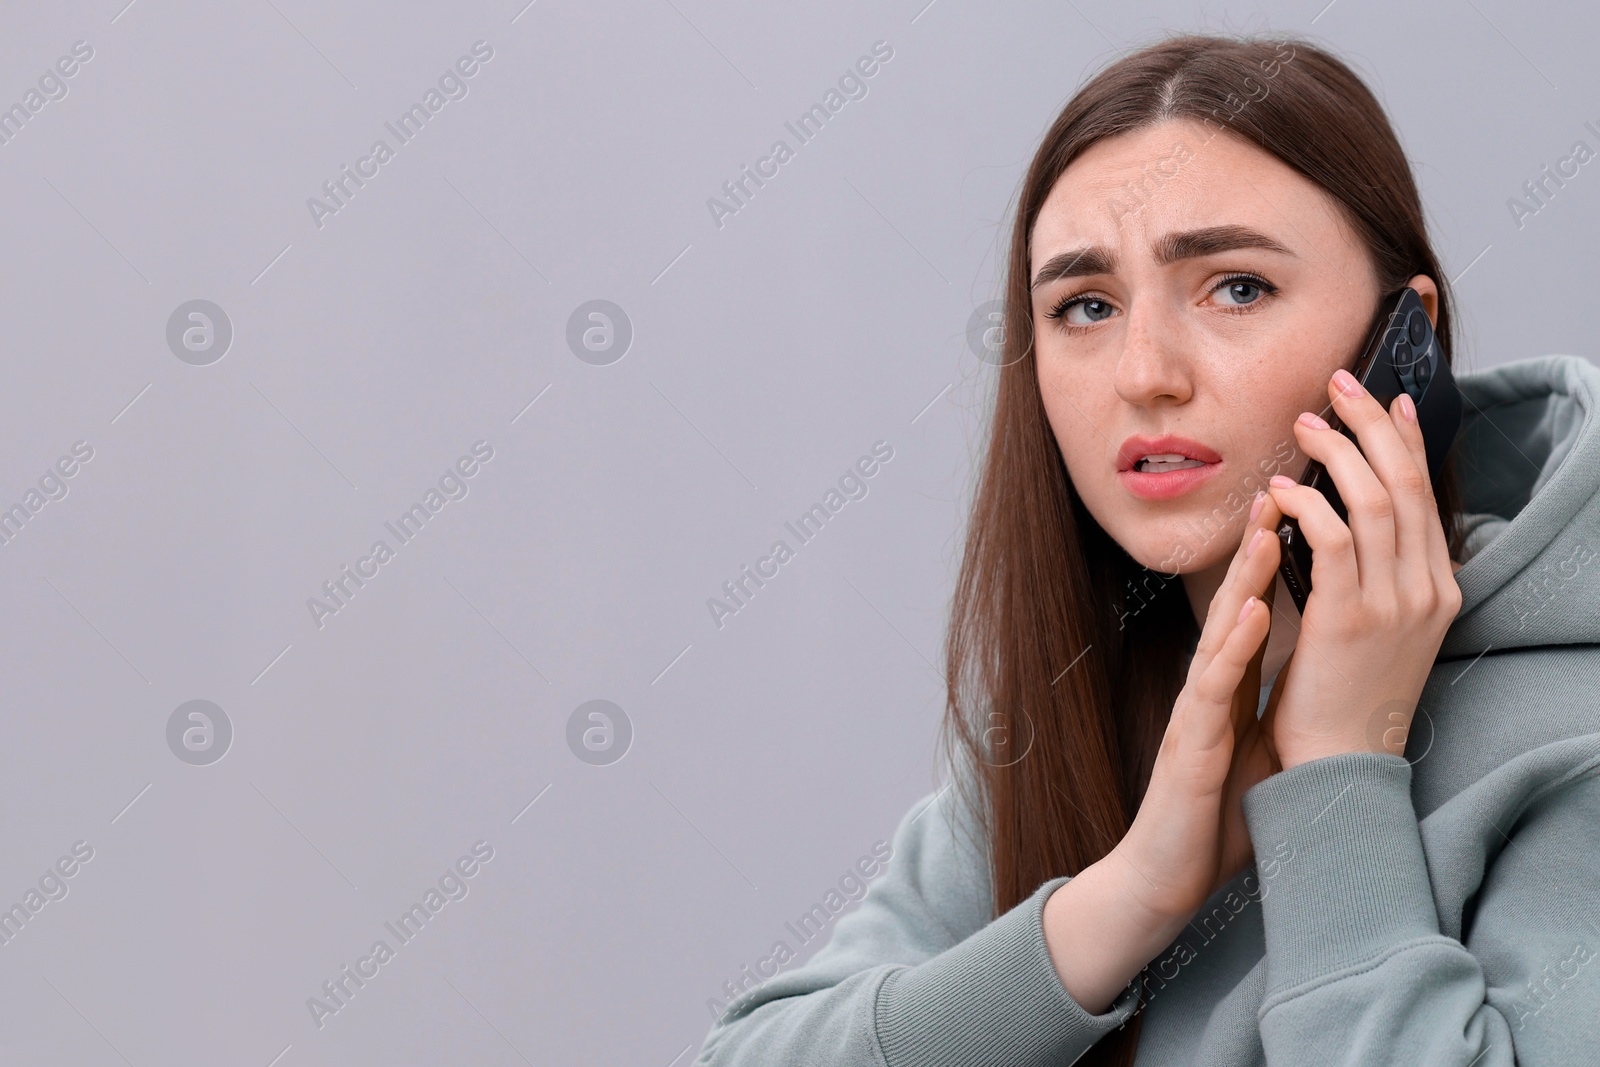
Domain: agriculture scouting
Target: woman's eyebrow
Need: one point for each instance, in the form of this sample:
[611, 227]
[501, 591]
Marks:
[1075, 264]
[1183, 244]
[1188, 244]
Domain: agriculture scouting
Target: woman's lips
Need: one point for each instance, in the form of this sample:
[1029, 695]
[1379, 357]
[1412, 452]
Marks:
[1163, 450]
[1168, 484]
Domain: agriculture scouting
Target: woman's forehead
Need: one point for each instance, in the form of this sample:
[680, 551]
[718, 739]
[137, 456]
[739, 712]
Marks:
[1129, 193]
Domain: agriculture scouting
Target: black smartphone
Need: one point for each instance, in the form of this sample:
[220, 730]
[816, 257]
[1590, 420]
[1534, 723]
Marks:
[1401, 356]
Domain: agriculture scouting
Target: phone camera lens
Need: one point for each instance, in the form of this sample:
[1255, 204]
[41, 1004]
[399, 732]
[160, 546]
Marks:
[1423, 373]
[1417, 326]
[1403, 356]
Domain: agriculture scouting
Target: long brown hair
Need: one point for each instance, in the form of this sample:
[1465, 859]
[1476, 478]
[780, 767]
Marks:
[1065, 655]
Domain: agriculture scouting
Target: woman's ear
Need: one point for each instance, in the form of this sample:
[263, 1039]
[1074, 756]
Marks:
[1429, 292]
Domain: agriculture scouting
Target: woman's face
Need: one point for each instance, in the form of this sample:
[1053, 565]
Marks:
[1194, 288]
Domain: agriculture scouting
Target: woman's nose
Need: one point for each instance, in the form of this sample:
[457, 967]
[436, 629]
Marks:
[1152, 364]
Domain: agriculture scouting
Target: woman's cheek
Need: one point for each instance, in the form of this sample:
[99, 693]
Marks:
[1076, 435]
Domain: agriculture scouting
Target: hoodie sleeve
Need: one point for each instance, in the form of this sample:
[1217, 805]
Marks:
[917, 975]
[1358, 968]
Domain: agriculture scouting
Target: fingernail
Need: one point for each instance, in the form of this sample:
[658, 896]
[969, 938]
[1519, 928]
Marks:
[1407, 408]
[1312, 421]
[1251, 547]
[1248, 604]
[1255, 509]
[1347, 383]
[1279, 481]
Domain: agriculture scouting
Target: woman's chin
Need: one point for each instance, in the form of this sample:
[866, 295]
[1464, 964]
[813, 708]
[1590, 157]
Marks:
[1178, 547]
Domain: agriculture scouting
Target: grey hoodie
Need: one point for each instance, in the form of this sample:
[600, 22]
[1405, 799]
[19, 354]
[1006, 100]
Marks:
[1441, 908]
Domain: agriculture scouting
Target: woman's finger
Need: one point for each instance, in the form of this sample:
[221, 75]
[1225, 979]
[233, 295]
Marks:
[1425, 548]
[1333, 555]
[1257, 577]
[1367, 500]
[1243, 579]
[1394, 451]
[1214, 688]
[1412, 490]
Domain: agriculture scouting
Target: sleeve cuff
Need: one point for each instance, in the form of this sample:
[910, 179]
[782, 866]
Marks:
[1346, 878]
[993, 998]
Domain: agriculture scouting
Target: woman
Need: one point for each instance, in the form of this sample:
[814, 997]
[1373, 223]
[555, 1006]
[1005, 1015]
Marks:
[1386, 853]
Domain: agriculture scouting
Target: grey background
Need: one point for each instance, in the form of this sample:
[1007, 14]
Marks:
[429, 313]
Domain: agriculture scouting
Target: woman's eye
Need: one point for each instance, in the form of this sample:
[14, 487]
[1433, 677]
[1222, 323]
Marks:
[1087, 312]
[1240, 291]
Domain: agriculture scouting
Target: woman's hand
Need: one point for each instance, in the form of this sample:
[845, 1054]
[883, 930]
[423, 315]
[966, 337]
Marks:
[1190, 837]
[1383, 587]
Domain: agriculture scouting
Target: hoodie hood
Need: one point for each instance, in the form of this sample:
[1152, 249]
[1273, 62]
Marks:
[1528, 461]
